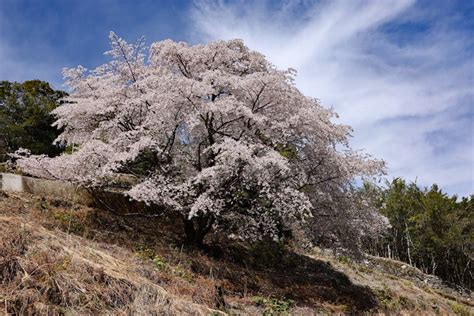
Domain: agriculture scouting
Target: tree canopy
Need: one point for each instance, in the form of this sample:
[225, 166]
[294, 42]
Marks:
[214, 134]
[25, 119]
[429, 229]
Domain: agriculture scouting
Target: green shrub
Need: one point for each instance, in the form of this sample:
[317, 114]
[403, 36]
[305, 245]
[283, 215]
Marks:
[144, 253]
[389, 301]
[67, 220]
[273, 306]
[147, 254]
[460, 309]
[159, 263]
[343, 259]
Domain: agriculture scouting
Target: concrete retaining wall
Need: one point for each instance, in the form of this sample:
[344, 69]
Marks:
[110, 198]
[12, 182]
[43, 187]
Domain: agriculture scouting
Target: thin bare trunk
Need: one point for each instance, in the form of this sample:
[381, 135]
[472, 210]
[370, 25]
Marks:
[408, 244]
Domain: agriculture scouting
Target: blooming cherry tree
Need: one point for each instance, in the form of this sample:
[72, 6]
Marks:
[214, 134]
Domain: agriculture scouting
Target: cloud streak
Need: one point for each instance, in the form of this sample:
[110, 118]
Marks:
[397, 71]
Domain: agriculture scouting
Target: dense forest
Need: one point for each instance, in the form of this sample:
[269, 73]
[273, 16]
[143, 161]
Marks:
[429, 230]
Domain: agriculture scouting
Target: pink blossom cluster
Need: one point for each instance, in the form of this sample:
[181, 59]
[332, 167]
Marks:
[211, 131]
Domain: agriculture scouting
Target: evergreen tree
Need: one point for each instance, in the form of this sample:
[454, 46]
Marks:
[25, 119]
[429, 230]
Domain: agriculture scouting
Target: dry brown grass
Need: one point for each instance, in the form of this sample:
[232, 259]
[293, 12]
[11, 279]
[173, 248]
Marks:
[398, 295]
[57, 257]
[50, 272]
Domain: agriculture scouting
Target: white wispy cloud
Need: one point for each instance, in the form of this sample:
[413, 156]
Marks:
[410, 102]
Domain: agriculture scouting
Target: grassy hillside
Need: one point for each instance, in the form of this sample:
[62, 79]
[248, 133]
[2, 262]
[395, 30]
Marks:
[60, 258]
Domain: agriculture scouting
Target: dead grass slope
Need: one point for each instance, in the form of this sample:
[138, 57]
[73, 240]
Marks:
[59, 258]
[402, 290]
[46, 271]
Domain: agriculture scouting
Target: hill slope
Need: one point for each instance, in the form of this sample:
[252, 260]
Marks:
[56, 257]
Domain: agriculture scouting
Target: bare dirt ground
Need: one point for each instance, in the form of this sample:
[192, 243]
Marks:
[61, 258]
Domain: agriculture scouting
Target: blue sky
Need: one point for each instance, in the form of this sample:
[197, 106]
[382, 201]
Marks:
[399, 71]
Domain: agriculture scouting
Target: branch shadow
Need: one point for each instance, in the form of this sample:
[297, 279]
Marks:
[274, 270]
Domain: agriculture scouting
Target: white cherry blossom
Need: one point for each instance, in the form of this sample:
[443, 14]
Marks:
[214, 133]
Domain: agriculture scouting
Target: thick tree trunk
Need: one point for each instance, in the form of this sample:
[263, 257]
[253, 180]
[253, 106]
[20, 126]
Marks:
[196, 229]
